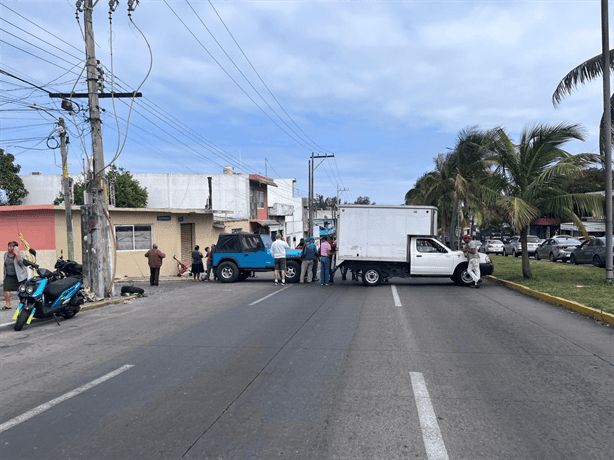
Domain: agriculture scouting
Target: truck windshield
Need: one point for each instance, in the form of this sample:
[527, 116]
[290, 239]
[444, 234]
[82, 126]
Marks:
[266, 239]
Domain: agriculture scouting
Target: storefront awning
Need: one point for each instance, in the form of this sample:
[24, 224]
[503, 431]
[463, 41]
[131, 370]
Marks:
[268, 223]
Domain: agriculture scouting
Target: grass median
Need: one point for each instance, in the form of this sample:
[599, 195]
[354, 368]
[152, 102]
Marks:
[584, 284]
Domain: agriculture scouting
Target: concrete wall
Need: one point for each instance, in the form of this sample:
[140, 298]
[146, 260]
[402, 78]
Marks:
[284, 195]
[175, 191]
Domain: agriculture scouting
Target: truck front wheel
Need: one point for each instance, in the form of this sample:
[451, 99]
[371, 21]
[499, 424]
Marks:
[293, 271]
[462, 277]
[372, 276]
[227, 272]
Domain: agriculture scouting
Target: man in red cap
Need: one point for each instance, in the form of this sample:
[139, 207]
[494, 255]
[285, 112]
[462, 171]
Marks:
[470, 248]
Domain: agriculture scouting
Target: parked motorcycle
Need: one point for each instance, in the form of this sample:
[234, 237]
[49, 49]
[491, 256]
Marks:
[50, 293]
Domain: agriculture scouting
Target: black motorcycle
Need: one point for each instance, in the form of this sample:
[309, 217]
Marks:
[50, 293]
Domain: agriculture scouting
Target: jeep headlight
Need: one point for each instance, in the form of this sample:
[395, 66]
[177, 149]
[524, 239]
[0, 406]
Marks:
[29, 289]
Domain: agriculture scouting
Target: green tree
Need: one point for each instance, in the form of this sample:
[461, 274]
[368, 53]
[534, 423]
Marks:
[128, 192]
[585, 72]
[529, 177]
[12, 190]
[363, 200]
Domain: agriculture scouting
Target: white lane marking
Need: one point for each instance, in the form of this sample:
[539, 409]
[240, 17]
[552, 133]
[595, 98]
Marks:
[435, 448]
[43, 407]
[6, 324]
[395, 294]
[270, 295]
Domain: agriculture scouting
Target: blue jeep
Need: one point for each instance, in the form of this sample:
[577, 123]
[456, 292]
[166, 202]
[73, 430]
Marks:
[236, 255]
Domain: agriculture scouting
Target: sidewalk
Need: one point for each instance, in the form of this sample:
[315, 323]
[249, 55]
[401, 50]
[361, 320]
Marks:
[6, 316]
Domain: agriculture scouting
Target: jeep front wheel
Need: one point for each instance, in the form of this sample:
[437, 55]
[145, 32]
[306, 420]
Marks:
[228, 272]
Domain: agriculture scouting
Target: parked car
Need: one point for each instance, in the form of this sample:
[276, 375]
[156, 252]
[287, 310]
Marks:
[492, 247]
[556, 248]
[514, 248]
[591, 252]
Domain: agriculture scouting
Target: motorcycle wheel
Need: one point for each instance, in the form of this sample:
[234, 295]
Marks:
[21, 319]
[70, 312]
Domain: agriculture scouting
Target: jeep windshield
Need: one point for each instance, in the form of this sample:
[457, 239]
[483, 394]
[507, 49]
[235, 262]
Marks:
[266, 239]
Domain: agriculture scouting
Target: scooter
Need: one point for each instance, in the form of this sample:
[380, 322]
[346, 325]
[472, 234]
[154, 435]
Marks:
[50, 293]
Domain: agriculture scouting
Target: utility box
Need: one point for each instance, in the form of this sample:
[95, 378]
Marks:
[380, 233]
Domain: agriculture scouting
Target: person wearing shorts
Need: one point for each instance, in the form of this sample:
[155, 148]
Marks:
[278, 251]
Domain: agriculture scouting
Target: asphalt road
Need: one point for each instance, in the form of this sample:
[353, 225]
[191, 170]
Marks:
[412, 369]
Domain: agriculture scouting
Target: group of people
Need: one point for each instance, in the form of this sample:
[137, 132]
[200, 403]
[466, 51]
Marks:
[155, 256]
[311, 255]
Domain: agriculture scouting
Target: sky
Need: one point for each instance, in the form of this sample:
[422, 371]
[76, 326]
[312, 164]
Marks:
[259, 86]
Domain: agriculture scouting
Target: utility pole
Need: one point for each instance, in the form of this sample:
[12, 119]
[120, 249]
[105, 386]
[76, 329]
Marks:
[97, 256]
[335, 211]
[311, 171]
[66, 187]
[607, 130]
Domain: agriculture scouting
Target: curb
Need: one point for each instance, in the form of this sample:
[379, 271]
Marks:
[84, 307]
[557, 301]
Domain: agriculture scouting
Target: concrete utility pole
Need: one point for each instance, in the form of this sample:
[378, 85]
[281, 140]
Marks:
[607, 128]
[335, 211]
[311, 170]
[95, 227]
[66, 187]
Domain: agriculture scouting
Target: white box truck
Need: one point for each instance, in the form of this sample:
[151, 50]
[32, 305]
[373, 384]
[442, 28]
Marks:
[382, 242]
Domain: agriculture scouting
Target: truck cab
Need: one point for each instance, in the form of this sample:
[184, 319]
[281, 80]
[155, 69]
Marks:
[237, 255]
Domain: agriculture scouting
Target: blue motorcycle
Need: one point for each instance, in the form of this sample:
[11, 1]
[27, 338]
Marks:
[50, 293]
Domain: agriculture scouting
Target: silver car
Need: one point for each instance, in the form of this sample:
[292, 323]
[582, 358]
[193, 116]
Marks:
[492, 247]
[556, 248]
[514, 248]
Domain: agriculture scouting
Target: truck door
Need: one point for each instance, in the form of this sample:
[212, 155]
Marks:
[430, 257]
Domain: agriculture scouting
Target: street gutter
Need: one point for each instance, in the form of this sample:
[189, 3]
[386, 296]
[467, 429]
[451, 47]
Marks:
[558, 301]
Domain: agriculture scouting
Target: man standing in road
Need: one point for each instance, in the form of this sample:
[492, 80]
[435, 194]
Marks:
[325, 261]
[155, 262]
[307, 257]
[470, 248]
[278, 251]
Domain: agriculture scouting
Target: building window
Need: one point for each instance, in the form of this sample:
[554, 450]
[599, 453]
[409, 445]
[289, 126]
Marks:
[260, 199]
[133, 237]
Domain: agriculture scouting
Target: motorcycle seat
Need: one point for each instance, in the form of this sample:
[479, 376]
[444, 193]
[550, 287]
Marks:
[55, 289]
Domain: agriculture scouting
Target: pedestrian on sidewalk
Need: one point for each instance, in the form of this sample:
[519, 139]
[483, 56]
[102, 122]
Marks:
[316, 260]
[333, 259]
[325, 261]
[470, 248]
[197, 263]
[15, 272]
[155, 262]
[278, 251]
[307, 256]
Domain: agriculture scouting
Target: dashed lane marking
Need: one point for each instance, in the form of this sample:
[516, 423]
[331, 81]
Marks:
[43, 407]
[395, 294]
[433, 442]
[270, 295]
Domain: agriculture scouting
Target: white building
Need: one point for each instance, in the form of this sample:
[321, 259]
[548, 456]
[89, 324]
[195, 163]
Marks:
[269, 205]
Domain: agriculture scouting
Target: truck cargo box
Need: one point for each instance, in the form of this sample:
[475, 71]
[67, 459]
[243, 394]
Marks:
[380, 233]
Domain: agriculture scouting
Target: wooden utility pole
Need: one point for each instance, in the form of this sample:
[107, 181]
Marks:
[97, 255]
[66, 187]
[336, 208]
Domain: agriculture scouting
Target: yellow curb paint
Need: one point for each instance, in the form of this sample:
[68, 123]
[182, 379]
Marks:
[558, 301]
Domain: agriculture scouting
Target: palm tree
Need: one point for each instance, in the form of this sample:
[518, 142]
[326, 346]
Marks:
[527, 182]
[587, 71]
[435, 188]
[470, 164]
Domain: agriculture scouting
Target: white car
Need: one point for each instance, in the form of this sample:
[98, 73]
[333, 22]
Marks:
[492, 247]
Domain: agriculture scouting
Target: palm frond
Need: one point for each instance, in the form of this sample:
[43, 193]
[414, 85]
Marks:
[588, 70]
[518, 212]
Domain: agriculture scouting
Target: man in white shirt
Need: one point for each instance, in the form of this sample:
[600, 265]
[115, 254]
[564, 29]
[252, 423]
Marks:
[278, 251]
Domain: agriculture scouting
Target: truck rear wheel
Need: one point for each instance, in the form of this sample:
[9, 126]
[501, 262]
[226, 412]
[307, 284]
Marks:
[293, 271]
[227, 272]
[371, 276]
